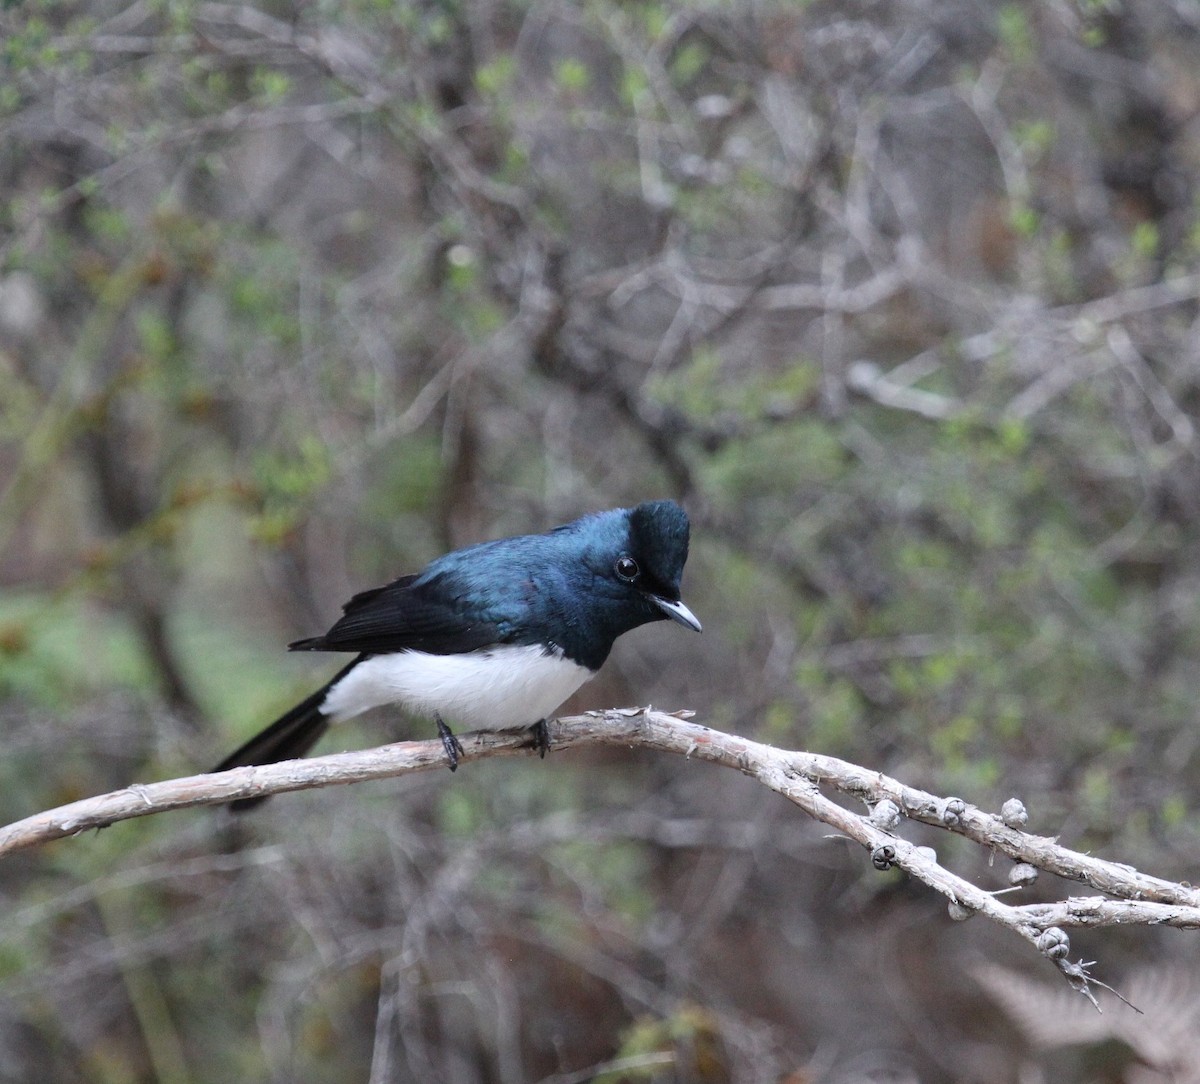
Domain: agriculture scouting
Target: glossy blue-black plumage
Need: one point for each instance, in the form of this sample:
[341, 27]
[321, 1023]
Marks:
[560, 589]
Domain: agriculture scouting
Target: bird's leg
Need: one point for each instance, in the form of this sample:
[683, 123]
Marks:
[541, 738]
[450, 743]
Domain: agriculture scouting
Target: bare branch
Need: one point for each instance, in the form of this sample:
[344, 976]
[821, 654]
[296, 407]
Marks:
[798, 776]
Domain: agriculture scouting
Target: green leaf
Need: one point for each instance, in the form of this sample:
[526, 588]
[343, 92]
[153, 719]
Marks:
[572, 75]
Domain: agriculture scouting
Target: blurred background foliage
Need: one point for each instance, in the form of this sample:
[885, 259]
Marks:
[900, 300]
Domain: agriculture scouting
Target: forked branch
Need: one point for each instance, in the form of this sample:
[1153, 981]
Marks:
[1125, 895]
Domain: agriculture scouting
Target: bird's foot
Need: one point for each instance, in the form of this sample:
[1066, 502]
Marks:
[541, 738]
[450, 743]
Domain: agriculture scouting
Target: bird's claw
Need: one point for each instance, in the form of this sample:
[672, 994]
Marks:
[450, 743]
[541, 738]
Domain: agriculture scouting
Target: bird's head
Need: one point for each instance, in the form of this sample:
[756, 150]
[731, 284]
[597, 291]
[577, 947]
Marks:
[635, 560]
[651, 564]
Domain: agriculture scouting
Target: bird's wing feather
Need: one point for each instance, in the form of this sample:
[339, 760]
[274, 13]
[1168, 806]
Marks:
[357, 602]
[429, 616]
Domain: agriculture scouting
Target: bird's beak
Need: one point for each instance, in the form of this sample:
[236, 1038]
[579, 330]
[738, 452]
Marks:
[677, 611]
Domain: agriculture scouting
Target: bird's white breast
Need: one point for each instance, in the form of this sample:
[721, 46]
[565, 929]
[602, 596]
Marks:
[495, 688]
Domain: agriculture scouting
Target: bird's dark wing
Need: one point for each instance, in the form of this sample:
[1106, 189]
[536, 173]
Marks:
[406, 615]
[359, 601]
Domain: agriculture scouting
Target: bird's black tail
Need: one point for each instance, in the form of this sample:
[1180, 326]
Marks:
[291, 736]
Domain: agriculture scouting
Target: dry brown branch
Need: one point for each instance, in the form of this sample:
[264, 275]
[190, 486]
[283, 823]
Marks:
[798, 776]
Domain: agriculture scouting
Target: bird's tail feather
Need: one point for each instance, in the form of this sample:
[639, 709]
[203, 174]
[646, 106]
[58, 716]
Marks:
[291, 736]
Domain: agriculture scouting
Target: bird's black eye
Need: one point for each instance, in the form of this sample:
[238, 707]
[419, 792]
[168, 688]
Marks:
[626, 569]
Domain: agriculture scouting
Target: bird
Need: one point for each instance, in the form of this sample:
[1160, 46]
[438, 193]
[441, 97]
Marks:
[494, 636]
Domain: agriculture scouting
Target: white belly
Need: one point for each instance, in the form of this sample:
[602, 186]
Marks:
[493, 689]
